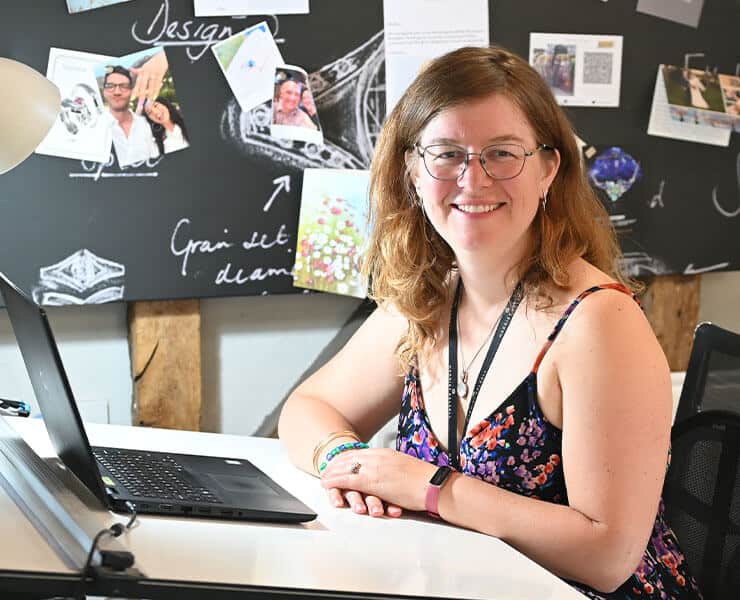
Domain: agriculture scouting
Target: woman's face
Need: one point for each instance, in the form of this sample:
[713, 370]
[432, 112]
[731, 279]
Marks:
[157, 112]
[476, 212]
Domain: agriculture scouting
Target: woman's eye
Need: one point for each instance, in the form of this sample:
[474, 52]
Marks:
[449, 155]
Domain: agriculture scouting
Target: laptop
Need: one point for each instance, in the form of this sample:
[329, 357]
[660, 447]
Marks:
[148, 482]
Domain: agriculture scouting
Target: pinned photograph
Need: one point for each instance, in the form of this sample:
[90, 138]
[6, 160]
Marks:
[581, 70]
[730, 85]
[75, 6]
[614, 171]
[693, 88]
[678, 112]
[81, 131]
[294, 114]
[332, 231]
[140, 97]
[556, 63]
[227, 8]
[700, 91]
[248, 61]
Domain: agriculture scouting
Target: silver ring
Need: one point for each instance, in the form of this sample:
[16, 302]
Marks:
[355, 468]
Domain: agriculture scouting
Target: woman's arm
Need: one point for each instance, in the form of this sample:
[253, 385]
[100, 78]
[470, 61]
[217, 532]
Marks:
[358, 390]
[616, 424]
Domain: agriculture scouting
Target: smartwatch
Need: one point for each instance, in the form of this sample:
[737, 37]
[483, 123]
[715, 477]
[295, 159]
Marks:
[433, 487]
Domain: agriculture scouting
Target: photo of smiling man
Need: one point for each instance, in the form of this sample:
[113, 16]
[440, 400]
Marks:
[289, 120]
[132, 136]
[139, 94]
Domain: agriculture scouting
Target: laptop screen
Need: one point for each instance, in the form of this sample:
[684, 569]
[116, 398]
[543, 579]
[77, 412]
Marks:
[51, 386]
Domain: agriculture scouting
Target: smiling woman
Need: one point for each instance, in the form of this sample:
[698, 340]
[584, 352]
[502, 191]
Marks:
[546, 397]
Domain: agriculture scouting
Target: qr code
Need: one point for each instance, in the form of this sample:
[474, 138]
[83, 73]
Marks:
[597, 67]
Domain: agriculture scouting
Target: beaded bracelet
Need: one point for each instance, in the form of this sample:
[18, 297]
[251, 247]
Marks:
[339, 449]
[324, 442]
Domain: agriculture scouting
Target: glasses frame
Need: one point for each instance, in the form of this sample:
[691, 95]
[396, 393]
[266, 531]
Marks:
[121, 86]
[527, 153]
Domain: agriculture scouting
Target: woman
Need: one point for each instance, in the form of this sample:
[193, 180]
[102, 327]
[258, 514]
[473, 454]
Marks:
[485, 232]
[168, 126]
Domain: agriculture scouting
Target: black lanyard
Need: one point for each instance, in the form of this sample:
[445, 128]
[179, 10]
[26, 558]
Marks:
[503, 325]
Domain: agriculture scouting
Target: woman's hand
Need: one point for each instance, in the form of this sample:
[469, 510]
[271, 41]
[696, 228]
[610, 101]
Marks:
[377, 475]
[149, 78]
[362, 503]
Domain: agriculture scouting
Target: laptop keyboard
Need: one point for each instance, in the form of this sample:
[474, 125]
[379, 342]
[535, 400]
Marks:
[153, 475]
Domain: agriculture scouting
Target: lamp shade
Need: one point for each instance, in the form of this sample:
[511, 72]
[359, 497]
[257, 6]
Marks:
[30, 105]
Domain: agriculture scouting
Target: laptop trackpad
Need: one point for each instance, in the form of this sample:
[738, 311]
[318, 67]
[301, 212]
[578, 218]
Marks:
[241, 485]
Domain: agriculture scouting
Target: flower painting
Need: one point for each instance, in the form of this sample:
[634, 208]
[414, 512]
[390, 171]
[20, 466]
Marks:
[332, 231]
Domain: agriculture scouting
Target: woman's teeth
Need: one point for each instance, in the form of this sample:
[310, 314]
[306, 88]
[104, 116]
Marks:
[478, 208]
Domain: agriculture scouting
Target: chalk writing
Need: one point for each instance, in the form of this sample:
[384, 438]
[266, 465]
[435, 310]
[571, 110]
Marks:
[195, 35]
[657, 199]
[692, 270]
[193, 246]
[715, 200]
[262, 241]
[281, 183]
[185, 246]
[96, 171]
[241, 276]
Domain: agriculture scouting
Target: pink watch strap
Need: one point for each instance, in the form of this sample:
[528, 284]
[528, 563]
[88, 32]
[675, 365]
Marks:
[432, 500]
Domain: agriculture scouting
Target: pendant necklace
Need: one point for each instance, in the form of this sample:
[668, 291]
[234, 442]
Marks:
[462, 385]
[459, 388]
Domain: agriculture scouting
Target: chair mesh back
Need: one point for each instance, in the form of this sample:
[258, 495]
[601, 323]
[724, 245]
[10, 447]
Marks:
[702, 498]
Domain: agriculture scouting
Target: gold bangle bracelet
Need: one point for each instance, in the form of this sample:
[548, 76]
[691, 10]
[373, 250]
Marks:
[328, 440]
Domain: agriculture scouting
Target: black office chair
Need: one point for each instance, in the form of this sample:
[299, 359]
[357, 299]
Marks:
[702, 499]
[713, 375]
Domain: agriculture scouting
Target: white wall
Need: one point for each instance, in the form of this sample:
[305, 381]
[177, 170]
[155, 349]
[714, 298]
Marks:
[254, 349]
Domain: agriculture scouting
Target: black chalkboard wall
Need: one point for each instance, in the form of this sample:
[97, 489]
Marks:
[52, 208]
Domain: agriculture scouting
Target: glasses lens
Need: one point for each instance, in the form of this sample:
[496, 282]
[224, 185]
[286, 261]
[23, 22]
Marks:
[503, 161]
[444, 161]
[112, 86]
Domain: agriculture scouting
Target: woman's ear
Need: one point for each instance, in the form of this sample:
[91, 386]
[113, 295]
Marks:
[410, 158]
[550, 165]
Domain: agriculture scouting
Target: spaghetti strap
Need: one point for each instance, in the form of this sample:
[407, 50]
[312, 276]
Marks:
[556, 330]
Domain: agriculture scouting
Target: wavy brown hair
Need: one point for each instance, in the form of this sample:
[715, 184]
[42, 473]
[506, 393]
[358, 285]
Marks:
[408, 263]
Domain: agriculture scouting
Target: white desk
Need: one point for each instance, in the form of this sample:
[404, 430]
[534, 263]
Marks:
[338, 552]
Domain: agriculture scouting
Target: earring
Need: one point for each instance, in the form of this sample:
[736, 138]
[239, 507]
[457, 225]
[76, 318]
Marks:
[544, 200]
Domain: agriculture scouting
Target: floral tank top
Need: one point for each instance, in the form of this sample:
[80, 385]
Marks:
[518, 449]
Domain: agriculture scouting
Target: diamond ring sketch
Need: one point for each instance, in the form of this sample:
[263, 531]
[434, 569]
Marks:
[81, 278]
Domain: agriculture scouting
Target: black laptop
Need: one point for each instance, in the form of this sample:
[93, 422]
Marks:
[151, 482]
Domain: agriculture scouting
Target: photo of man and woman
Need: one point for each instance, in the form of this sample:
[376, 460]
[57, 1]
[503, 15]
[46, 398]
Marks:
[139, 94]
[294, 114]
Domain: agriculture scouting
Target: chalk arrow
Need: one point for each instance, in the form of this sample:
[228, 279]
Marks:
[281, 183]
[691, 270]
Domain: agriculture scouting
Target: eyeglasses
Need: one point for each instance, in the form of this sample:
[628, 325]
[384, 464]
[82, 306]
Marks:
[113, 86]
[499, 161]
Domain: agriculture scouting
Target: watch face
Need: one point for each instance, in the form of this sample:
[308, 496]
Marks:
[439, 477]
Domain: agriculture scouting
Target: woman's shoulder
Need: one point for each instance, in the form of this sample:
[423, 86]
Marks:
[605, 306]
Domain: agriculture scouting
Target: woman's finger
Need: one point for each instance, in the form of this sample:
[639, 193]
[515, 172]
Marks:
[356, 501]
[335, 497]
[374, 506]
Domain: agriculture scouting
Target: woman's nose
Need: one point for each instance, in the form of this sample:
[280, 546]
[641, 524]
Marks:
[474, 174]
